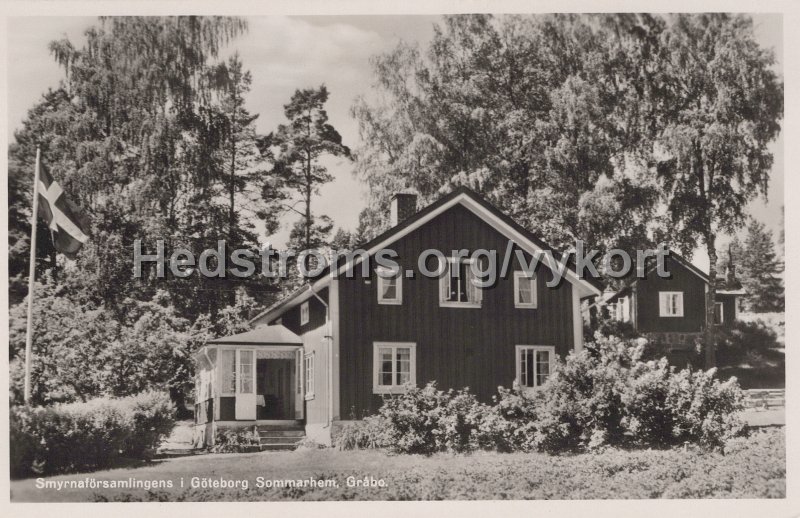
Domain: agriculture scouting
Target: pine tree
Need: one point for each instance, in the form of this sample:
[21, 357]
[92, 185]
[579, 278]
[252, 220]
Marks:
[761, 270]
[300, 144]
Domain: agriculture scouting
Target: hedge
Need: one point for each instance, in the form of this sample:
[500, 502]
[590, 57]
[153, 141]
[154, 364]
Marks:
[90, 435]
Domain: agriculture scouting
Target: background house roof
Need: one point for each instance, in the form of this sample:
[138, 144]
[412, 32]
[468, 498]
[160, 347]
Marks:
[262, 335]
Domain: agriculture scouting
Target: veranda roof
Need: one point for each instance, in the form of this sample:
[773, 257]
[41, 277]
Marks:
[262, 335]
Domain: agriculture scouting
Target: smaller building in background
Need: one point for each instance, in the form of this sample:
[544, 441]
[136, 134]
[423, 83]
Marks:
[672, 310]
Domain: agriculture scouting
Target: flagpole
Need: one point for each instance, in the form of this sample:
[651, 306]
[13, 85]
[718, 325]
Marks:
[31, 280]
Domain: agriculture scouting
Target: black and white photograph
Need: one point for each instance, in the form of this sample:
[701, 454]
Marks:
[288, 256]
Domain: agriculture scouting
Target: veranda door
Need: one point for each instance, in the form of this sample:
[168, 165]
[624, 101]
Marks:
[245, 384]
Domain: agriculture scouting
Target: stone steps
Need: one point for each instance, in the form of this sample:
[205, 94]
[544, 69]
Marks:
[283, 436]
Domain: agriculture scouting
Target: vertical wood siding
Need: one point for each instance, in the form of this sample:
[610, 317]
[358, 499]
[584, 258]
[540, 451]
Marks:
[693, 288]
[457, 347]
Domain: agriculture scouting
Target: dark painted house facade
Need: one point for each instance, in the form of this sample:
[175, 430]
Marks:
[364, 337]
[672, 310]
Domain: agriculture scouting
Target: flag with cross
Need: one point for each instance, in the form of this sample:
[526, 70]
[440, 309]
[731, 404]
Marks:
[66, 223]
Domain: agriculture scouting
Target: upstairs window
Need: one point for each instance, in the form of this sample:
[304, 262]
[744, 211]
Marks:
[457, 285]
[534, 365]
[390, 287]
[670, 303]
[304, 314]
[524, 290]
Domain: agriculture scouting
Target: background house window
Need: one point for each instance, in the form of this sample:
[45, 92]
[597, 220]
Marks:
[534, 364]
[246, 372]
[308, 363]
[304, 313]
[390, 287]
[719, 313]
[670, 303]
[394, 365]
[524, 290]
[228, 366]
[457, 285]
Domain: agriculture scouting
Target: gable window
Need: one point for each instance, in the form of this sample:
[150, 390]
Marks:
[534, 365]
[394, 365]
[228, 366]
[524, 290]
[304, 313]
[390, 287]
[719, 313]
[457, 284]
[670, 303]
[308, 366]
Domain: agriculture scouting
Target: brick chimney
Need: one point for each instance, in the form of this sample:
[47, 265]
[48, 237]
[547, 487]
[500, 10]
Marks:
[404, 205]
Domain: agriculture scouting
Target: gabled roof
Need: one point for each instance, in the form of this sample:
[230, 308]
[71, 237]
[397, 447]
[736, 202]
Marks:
[262, 335]
[680, 260]
[474, 203]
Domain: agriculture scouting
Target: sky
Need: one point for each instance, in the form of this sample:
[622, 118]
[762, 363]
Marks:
[286, 53]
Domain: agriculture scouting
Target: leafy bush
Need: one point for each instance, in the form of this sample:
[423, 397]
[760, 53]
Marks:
[153, 416]
[91, 435]
[368, 433]
[232, 440]
[420, 420]
[743, 340]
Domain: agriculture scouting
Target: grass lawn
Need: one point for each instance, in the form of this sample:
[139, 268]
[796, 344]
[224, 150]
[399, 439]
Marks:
[751, 468]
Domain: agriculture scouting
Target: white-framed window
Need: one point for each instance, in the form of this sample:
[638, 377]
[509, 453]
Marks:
[228, 368]
[458, 284]
[622, 309]
[304, 313]
[670, 303]
[534, 365]
[525, 295]
[308, 374]
[719, 313]
[246, 359]
[394, 365]
[390, 287]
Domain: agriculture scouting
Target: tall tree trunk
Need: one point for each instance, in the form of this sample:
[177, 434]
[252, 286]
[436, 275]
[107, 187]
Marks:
[711, 298]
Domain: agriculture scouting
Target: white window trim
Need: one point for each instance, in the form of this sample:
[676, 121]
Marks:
[305, 313]
[534, 292]
[308, 381]
[721, 312]
[662, 306]
[517, 357]
[377, 388]
[397, 301]
[223, 389]
[444, 280]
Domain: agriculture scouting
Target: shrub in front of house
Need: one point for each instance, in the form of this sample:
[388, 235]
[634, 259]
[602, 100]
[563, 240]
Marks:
[368, 433]
[89, 435]
[153, 417]
[427, 420]
[232, 440]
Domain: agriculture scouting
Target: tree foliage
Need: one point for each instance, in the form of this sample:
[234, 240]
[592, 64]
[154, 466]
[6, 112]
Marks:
[531, 111]
[299, 146]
